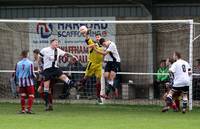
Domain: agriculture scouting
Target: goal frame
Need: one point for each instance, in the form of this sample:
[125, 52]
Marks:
[189, 21]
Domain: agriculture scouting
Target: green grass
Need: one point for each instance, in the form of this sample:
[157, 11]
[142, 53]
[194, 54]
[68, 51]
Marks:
[74, 116]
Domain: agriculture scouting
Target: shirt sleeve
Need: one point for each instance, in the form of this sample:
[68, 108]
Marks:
[61, 52]
[89, 41]
[110, 48]
[172, 68]
[42, 52]
[158, 76]
[32, 70]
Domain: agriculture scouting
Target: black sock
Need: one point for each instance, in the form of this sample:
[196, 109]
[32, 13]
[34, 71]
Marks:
[184, 103]
[108, 89]
[46, 98]
[83, 81]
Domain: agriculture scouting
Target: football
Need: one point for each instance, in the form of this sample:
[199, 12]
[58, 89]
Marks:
[83, 29]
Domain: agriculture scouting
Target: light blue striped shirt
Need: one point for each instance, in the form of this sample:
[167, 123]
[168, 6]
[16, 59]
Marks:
[24, 73]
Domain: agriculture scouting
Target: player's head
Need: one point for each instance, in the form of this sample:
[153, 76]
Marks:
[24, 54]
[176, 55]
[72, 60]
[36, 53]
[169, 61]
[98, 36]
[54, 43]
[104, 42]
[162, 63]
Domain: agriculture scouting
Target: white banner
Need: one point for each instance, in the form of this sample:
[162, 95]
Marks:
[69, 36]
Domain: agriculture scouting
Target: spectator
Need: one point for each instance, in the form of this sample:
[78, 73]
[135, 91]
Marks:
[196, 81]
[13, 86]
[161, 79]
[37, 62]
[37, 69]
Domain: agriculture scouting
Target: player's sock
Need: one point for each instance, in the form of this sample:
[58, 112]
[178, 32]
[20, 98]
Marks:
[177, 104]
[108, 89]
[30, 102]
[67, 81]
[50, 97]
[46, 99]
[98, 89]
[184, 107]
[185, 104]
[174, 107]
[23, 103]
[169, 100]
[81, 83]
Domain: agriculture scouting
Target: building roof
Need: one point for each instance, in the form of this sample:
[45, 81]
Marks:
[73, 2]
[64, 2]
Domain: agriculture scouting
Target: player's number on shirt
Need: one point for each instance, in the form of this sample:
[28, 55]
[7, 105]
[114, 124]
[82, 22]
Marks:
[183, 68]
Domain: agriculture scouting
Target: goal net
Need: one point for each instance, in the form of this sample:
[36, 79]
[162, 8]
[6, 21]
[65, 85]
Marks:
[142, 45]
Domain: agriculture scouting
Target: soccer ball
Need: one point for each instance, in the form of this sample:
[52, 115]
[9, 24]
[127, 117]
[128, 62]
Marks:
[83, 29]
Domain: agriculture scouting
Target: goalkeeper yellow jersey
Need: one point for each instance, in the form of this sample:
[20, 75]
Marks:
[94, 56]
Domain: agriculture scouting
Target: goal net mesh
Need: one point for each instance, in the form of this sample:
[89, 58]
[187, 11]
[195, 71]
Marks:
[141, 48]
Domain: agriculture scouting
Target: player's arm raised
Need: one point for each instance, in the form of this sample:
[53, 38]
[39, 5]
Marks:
[85, 33]
[90, 43]
[63, 53]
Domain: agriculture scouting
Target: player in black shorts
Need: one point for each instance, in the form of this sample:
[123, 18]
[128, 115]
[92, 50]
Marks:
[51, 70]
[112, 60]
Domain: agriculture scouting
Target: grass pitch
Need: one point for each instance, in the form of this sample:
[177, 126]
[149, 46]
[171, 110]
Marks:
[77, 116]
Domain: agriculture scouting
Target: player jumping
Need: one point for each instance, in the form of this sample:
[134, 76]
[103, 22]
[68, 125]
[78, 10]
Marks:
[50, 56]
[112, 60]
[94, 64]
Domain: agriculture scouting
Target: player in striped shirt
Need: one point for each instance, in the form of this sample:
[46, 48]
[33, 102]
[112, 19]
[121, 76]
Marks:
[24, 77]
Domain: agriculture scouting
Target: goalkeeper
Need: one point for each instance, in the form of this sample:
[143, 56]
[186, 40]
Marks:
[94, 65]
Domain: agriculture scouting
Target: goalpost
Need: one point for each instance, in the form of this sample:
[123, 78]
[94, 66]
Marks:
[141, 43]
